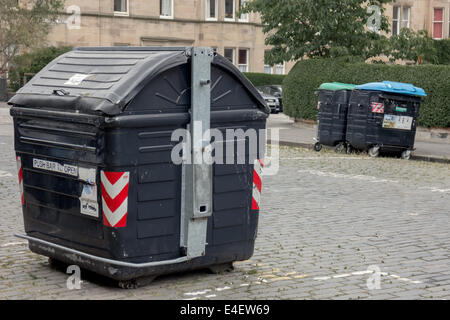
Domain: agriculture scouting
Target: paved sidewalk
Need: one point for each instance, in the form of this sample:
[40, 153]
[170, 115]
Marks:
[299, 134]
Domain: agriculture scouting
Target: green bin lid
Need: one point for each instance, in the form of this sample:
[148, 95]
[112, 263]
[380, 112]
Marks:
[335, 86]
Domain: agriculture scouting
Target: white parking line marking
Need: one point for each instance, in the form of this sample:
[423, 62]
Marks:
[10, 244]
[322, 278]
[342, 275]
[348, 176]
[5, 174]
[196, 293]
[360, 273]
[222, 289]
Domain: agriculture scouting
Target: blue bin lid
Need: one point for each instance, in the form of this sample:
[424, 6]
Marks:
[393, 87]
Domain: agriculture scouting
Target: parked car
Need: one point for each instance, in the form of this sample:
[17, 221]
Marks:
[275, 90]
[272, 102]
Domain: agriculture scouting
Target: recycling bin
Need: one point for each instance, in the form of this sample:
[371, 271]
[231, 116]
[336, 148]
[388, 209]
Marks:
[332, 116]
[382, 116]
[107, 143]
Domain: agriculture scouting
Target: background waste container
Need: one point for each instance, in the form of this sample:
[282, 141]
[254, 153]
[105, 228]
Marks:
[3, 90]
[100, 189]
[332, 117]
[383, 116]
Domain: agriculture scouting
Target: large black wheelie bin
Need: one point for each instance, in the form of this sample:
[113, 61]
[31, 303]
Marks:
[382, 116]
[94, 140]
[332, 116]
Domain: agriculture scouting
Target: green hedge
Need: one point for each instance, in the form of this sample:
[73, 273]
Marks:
[443, 50]
[299, 100]
[263, 79]
[32, 62]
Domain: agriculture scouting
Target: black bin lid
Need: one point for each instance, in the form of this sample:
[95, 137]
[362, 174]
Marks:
[106, 79]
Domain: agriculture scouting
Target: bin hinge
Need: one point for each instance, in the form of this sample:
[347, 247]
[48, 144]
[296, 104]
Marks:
[196, 193]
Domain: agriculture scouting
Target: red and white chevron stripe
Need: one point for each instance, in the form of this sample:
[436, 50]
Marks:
[115, 198]
[20, 173]
[257, 183]
[377, 107]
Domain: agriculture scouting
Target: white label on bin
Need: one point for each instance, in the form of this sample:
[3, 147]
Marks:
[87, 174]
[55, 167]
[76, 79]
[397, 122]
[89, 208]
[88, 200]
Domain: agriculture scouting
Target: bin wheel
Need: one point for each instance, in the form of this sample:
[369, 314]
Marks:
[221, 268]
[406, 155]
[317, 146]
[349, 149]
[374, 151]
[135, 283]
[340, 147]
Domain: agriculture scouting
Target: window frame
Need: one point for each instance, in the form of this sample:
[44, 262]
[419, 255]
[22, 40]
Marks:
[171, 7]
[269, 67]
[233, 54]
[441, 22]
[207, 11]
[123, 13]
[402, 18]
[247, 64]
[283, 68]
[398, 19]
[246, 15]
[234, 11]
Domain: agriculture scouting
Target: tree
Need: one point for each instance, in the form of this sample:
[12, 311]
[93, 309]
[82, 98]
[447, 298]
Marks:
[321, 28]
[415, 46]
[23, 25]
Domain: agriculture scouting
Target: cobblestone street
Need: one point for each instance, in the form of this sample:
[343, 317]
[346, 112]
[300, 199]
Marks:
[327, 222]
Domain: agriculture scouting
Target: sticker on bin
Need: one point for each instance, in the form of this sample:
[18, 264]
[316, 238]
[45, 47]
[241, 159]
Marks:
[85, 174]
[115, 198]
[55, 167]
[377, 107]
[257, 183]
[88, 200]
[20, 174]
[76, 79]
[397, 122]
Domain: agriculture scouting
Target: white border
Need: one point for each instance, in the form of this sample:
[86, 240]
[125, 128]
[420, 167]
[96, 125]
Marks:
[247, 62]
[171, 14]
[234, 12]
[234, 54]
[442, 22]
[245, 14]
[207, 17]
[123, 13]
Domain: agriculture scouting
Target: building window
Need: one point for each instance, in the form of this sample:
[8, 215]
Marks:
[395, 22]
[121, 7]
[229, 10]
[401, 17]
[267, 69]
[229, 54]
[406, 14]
[166, 9]
[243, 60]
[438, 22]
[211, 9]
[279, 69]
[243, 17]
